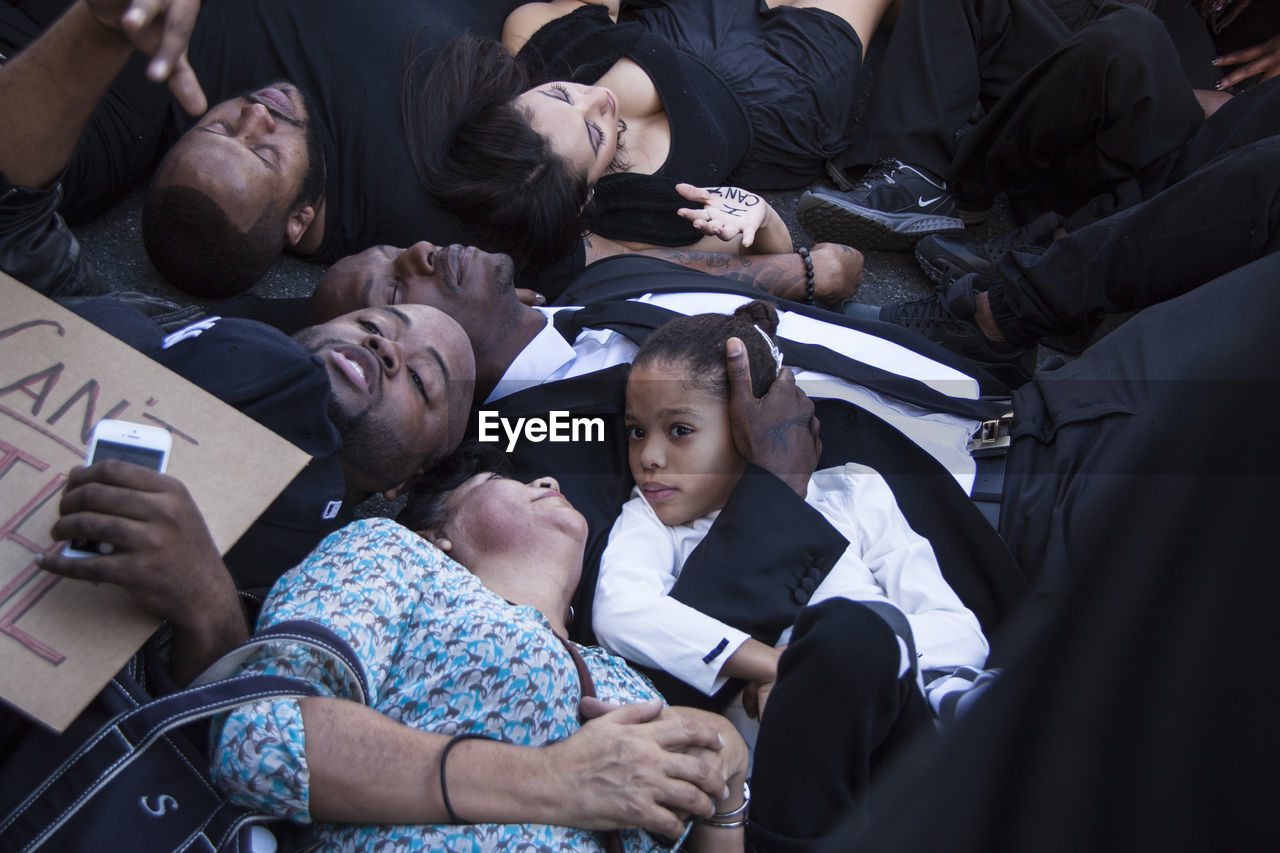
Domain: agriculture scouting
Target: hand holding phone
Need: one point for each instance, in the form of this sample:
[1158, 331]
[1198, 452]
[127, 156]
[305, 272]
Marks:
[163, 555]
[143, 445]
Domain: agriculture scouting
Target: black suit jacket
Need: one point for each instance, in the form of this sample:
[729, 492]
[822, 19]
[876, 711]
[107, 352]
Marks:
[765, 526]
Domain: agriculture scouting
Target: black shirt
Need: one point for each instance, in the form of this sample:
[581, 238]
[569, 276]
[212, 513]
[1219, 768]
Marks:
[348, 57]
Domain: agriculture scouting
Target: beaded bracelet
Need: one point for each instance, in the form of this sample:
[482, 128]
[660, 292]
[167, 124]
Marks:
[444, 787]
[808, 275]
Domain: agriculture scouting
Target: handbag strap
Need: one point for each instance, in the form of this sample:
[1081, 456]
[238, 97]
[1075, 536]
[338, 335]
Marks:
[312, 635]
[123, 739]
[613, 840]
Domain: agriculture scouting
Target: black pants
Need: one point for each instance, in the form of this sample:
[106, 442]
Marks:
[1135, 717]
[1068, 115]
[943, 58]
[1107, 107]
[838, 715]
[1134, 419]
[1220, 210]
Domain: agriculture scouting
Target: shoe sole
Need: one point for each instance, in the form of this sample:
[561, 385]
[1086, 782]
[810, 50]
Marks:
[938, 272]
[830, 221]
[935, 273]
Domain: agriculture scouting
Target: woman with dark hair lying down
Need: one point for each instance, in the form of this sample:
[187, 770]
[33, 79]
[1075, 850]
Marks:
[481, 652]
[606, 109]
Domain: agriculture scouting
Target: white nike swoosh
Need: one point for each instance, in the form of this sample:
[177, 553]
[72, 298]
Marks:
[925, 202]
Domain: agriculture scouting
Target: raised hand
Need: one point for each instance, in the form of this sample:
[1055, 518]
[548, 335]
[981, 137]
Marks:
[161, 29]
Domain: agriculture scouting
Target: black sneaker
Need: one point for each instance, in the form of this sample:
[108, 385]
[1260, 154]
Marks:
[890, 208]
[940, 256]
[945, 318]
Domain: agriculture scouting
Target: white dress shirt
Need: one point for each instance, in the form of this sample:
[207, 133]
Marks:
[635, 616]
[548, 357]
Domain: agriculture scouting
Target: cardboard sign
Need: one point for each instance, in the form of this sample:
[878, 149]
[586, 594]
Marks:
[62, 640]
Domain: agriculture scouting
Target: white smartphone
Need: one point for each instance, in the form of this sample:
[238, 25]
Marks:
[137, 443]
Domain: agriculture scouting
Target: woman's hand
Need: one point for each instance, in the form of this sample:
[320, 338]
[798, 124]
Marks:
[728, 212]
[646, 765]
[1261, 59]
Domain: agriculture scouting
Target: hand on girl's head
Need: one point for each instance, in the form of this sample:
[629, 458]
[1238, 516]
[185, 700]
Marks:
[779, 431]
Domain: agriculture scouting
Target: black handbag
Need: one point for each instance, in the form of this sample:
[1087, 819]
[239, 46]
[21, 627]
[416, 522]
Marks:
[131, 773]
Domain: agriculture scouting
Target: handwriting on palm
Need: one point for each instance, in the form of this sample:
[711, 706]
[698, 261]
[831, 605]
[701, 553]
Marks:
[726, 212]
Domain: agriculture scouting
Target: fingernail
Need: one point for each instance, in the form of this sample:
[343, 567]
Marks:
[720, 740]
[734, 348]
[724, 795]
[1215, 60]
[1218, 85]
[158, 69]
[133, 16]
[540, 299]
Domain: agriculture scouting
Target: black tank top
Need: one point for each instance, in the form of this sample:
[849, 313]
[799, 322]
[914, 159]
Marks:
[709, 130]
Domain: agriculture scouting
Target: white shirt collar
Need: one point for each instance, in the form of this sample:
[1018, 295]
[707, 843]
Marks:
[544, 356]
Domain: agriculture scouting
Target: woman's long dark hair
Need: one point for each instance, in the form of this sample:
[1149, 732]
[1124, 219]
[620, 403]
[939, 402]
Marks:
[476, 152]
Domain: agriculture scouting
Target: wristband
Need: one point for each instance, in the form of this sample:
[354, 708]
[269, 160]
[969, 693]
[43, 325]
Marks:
[444, 757]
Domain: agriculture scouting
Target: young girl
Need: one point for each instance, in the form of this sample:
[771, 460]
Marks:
[685, 464]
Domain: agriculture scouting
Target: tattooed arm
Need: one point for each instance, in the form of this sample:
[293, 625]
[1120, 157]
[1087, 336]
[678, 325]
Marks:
[837, 269]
